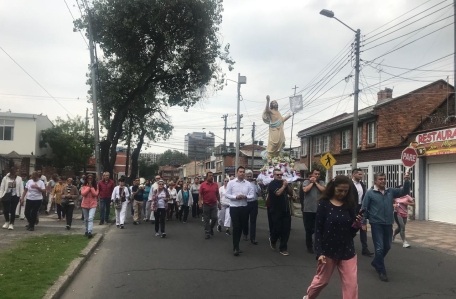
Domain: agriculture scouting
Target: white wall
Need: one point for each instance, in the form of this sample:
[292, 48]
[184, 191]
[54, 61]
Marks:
[24, 139]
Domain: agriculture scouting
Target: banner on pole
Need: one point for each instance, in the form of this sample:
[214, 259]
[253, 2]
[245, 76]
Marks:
[296, 104]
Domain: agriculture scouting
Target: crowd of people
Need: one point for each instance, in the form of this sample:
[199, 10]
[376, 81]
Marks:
[332, 214]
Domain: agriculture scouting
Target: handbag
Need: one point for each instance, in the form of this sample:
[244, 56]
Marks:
[64, 202]
[118, 204]
[7, 197]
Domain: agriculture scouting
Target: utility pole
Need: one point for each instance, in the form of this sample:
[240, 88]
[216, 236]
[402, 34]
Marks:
[241, 80]
[93, 67]
[225, 117]
[454, 57]
[253, 146]
[330, 14]
[355, 109]
[292, 119]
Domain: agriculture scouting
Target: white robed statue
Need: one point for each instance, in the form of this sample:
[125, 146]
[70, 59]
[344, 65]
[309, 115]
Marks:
[274, 119]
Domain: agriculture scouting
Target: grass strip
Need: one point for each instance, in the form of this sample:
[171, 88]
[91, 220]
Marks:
[32, 265]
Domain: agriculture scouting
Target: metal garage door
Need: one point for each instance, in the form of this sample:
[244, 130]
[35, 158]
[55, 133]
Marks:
[442, 192]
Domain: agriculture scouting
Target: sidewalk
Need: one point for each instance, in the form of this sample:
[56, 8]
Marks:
[48, 225]
[420, 233]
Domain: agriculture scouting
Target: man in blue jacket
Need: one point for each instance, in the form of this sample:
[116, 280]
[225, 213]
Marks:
[378, 203]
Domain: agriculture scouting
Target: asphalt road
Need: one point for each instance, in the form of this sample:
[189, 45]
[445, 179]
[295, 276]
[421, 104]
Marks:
[132, 263]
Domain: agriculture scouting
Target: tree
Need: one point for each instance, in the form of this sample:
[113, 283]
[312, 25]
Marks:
[71, 142]
[174, 158]
[147, 171]
[172, 47]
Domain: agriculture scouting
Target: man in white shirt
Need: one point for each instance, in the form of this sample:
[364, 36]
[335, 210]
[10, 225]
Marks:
[252, 209]
[238, 192]
[358, 190]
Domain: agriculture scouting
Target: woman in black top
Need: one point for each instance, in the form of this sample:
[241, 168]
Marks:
[335, 227]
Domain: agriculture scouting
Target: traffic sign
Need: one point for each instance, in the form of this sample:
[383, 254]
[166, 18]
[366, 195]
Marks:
[409, 157]
[328, 160]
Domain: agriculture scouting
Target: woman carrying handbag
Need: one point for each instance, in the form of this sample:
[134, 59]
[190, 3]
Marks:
[10, 190]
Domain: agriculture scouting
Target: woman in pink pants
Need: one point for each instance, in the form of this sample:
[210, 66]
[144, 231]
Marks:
[334, 239]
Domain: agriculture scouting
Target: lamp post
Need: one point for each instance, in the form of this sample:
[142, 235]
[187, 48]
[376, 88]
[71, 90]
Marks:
[241, 80]
[330, 14]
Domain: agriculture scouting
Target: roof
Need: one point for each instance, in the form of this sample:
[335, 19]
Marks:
[249, 153]
[25, 115]
[346, 119]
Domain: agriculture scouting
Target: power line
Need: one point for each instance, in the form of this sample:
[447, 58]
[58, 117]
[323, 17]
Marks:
[35, 81]
[413, 17]
[75, 20]
[35, 96]
[417, 70]
[389, 52]
[398, 17]
[409, 70]
[410, 33]
[404, 34]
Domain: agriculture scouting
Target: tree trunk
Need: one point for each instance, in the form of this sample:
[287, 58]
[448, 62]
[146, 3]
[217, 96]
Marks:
[135, 154]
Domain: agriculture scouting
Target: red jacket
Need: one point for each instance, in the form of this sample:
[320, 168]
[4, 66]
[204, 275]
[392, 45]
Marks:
[105, 189]
[89, 197]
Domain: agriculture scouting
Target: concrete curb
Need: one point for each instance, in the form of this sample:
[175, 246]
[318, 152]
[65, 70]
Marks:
[60, 285]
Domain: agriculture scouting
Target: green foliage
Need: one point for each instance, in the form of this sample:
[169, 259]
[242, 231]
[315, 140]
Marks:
[71, 143]
[33, 265]
[174, 158]
[156, 54]
[147, 171]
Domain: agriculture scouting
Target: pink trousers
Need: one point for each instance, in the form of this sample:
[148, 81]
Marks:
[348, 270]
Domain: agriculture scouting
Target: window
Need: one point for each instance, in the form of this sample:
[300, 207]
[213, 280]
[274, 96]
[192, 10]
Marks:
[317, 145]
[326, 143]
[371, 132]
[346, 139]
[304, 147]
[6, 129]
[360, 136]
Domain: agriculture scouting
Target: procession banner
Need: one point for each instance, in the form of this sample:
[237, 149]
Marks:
[296, 104]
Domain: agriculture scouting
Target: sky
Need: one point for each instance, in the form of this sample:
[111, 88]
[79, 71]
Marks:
[277, 45]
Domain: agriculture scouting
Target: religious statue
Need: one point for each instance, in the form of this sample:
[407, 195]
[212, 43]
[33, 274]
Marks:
[274, 119]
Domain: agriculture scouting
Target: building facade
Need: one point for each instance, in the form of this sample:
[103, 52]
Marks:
[384, 130]
[20, 136]
[199, 145]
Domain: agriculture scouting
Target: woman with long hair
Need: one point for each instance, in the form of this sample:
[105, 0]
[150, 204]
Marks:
[335, 227]
[56, 196]
[119, 199]
[89, 203]
[172, 201]
[184, 202]
[224, 218]
[159, 204]
[69, 196]
[34, 192]
[11, 189]
[401, 215]
[194, 190]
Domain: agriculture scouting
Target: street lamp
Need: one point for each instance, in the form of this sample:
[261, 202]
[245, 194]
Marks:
[330, 14]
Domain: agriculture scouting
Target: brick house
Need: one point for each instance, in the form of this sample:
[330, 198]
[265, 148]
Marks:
[384, 130]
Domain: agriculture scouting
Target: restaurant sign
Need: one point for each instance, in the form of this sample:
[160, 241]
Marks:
[441, 142]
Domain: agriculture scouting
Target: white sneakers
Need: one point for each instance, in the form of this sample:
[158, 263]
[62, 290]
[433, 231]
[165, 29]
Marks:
[8, 226]
[405, 244]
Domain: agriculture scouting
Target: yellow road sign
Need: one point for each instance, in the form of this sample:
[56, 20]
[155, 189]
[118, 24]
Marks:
[328, 160]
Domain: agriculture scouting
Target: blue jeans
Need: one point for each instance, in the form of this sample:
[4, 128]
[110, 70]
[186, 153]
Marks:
[382, 235]
[105, 209]
[89, 214]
